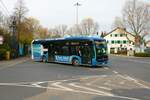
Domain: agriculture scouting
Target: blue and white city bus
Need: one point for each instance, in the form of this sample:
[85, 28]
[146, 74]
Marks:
[75, 50]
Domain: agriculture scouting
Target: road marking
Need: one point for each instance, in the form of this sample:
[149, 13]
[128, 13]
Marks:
[115, 72]
[88, 77]
[101, 87]
[113, 85]
[77, 91]
[106, 88]
[122, 83]
[87, 88]
[70, 79]
[36, 84]
[123, 97]
[134, 80]
[106, 68]
[62, 88]
[92, 82]
[99, 92]
[57, 84]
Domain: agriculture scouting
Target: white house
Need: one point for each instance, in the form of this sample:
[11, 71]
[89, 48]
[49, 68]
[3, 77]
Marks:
[120, 41]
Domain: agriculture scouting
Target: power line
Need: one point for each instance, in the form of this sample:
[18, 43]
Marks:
[4, 7]
[3, 11]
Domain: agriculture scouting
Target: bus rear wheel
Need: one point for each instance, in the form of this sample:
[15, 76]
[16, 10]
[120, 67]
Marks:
[75, 62]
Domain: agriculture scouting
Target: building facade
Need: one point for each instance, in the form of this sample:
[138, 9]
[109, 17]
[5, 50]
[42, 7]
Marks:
[120, 41]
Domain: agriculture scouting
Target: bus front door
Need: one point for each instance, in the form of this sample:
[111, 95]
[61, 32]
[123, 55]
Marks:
[51, 54]
[86, 55]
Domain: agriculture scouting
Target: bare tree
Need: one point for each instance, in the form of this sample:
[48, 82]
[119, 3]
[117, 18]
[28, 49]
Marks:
[75, 30]
[20, 11]
[70, 31]
[4, 22]
[61, 29]
[54, 33]
[1, 19]
[20, 15]
[136, 17]
[88, 26]
[118, 22]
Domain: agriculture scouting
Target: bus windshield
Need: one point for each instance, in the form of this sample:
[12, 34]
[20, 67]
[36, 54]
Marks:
[101, 47]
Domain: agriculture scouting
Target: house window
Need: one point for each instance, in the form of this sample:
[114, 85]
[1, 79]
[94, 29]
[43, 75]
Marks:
[115, 35]
[121, 35]
[118, 42]
[110, 35]
[124, 41]
[132, 43]
[112, 41]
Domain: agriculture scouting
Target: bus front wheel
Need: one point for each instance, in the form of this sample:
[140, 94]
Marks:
[75, 62]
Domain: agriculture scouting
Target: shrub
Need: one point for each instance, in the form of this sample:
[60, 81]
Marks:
[2, 53]
[142, 54]
[3, 49]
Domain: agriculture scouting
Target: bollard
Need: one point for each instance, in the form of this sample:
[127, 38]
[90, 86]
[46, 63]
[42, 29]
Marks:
[8, 55]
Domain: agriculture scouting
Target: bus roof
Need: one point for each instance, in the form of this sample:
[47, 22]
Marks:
[38, 41]
[84, 38]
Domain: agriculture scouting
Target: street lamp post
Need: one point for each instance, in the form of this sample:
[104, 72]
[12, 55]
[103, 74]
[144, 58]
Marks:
[77, 5]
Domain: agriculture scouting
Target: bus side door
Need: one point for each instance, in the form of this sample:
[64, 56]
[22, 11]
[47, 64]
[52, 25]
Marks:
[86, 54]
[51, 53]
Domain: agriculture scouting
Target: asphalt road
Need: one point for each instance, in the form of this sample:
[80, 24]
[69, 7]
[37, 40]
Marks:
[125, 78]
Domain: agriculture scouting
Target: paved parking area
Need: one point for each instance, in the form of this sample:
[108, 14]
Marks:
[110, 86]
[24, 79]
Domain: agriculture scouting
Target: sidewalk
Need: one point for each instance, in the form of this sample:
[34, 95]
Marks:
[126, 56]
[12, 62]
[122, 55]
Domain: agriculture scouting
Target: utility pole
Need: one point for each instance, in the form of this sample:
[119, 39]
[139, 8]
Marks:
[77, 6]
[14, 40]
[14, 26]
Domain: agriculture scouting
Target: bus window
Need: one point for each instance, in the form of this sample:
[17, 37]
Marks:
[73, 50]
[101, 47]
[65, 50]
[62, 50]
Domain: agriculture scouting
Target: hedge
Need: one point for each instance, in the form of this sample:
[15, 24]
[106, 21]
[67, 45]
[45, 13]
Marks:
[3, 53]
[142, 54]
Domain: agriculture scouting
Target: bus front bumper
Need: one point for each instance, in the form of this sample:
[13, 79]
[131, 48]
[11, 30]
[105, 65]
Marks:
[99, 62]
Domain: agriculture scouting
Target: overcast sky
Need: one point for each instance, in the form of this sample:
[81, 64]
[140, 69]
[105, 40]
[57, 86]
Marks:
[54, 12]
